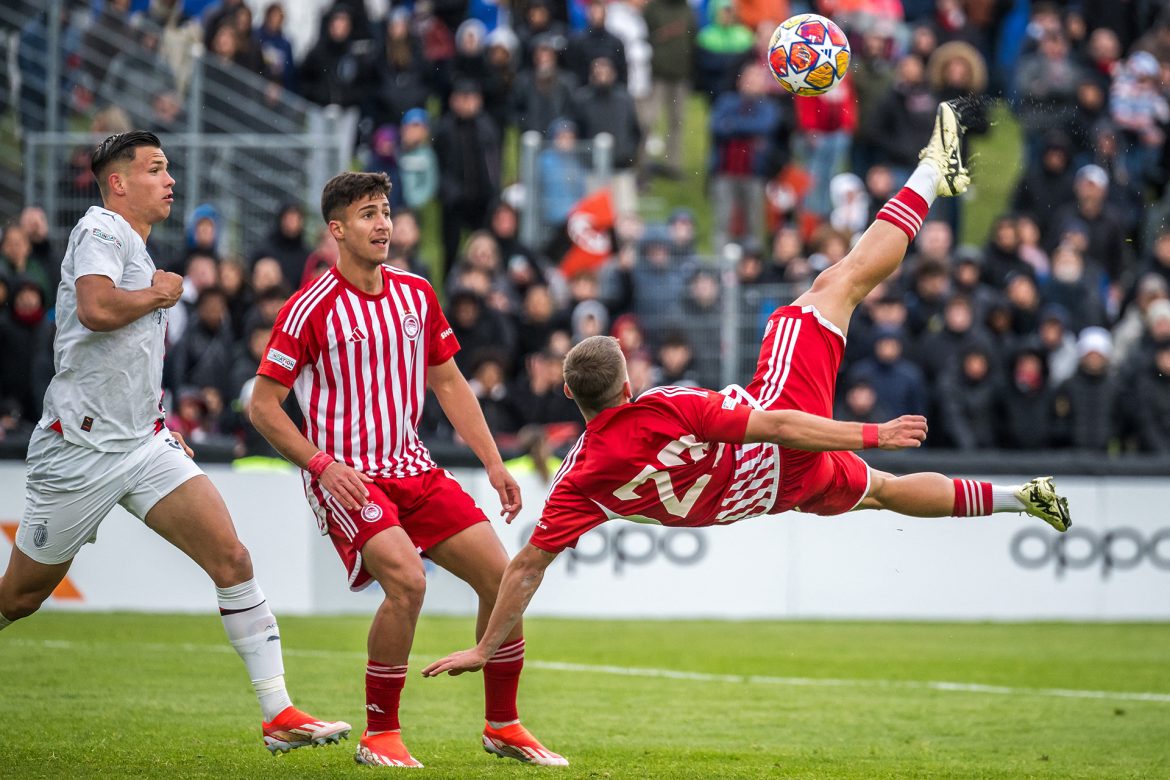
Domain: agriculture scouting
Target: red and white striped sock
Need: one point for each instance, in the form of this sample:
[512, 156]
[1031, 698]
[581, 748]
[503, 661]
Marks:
[501, 679]
[975, 499]
[383, 692]
[905, 211]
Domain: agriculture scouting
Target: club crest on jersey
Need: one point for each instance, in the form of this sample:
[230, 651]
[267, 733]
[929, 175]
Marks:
[371, 513]
[411, 326]
[40, 536]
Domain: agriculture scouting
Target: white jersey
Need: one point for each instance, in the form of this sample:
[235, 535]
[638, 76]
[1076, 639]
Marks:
[106, 392]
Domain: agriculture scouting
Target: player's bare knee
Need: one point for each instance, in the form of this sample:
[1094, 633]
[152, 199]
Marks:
[20, 605]
[408, 588]
[232, 567]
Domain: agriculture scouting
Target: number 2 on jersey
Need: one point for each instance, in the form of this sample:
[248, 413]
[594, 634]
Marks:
[668, 457]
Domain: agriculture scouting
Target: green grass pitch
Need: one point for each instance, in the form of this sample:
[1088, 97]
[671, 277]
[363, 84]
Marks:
[114, 695]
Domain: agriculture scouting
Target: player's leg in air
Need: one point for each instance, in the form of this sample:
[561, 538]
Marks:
[834, 295]
[194, 518]
[476, 556]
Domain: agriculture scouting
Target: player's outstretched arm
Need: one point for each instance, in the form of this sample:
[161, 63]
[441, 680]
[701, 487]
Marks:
[802, 431]
[103, 307]
[274, 424]
[521, 579]
[462, 409]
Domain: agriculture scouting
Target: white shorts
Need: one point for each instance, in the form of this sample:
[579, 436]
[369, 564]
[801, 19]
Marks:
[70, 489]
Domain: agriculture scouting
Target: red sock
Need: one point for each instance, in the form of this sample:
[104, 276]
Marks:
[383, 692]
[501, 678]
[905, 211]
[972, 499]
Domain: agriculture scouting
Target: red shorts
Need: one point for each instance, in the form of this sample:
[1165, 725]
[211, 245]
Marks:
[430, 507]
[797, 369]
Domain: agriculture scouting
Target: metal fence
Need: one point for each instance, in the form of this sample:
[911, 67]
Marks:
[555, 177]
[243, 176]
[234, 139]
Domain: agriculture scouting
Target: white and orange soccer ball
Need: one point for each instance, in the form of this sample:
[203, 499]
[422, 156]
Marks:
[808, 54]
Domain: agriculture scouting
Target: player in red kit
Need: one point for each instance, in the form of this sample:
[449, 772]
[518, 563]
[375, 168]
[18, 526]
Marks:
[691, 457]
[360, 346]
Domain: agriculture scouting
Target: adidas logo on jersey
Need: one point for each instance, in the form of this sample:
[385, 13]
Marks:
[357, 335]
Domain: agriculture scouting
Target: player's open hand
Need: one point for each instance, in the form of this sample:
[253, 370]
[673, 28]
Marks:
[509, 491]
[347, 485]
[909, 430]
[457, 663]
[169, 286]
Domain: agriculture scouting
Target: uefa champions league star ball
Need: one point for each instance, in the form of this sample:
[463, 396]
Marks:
[808, 55]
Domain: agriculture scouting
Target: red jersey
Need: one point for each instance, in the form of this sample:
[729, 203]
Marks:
[358, 364]
[673, 457]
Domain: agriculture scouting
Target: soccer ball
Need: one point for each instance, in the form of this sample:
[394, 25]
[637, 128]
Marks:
[808, 54]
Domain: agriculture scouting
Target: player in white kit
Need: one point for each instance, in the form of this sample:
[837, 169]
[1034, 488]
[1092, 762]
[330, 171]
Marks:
[102, 441]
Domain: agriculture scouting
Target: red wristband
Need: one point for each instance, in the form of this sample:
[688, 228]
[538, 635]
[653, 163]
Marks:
[317, 465]
[869, 436]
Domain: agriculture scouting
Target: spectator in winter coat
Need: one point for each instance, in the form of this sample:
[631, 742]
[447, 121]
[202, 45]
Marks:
[906, 117]
[1074, 288]
[1086, 405]
[466, 144]
[417, 163]
[399, 72]
[742, 125]
[899, 384]
[939, 348]
[604, 106]
[333, 72]
[275, 49]
[596, 42]
[968, 392]
[1150, 409]
[544, 91]
[1092, 214]
[286, 243]
[722, 47]
[1047, 183]
[1025, 403]
[1140, 109]
[562, 176]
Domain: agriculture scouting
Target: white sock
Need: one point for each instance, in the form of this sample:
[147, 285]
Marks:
[1003, 499]
[252, 630]
[4, 622]
[924, 181]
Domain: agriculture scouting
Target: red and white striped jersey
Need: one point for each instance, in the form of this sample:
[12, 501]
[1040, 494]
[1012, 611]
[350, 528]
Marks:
[358, 365]
[674, 457]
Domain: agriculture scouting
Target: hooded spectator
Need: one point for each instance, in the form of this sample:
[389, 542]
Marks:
[286, 243]
[899, 384]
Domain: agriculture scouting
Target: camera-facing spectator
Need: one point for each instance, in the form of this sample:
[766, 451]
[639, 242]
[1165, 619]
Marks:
[1086, 404]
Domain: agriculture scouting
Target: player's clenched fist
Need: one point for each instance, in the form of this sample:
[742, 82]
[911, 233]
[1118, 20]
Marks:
[909, 430]
[169, 286]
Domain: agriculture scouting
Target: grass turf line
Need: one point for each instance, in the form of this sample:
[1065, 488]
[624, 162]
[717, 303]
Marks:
[97, 694]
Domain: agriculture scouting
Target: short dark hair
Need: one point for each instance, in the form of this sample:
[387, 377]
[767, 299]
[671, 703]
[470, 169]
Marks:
[345, 188]
[119, 148]
[595, 371]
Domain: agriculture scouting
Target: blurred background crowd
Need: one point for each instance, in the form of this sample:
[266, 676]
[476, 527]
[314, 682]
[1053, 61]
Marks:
[1045, 326]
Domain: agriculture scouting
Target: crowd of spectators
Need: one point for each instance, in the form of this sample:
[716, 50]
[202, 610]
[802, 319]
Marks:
[1053, 333]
